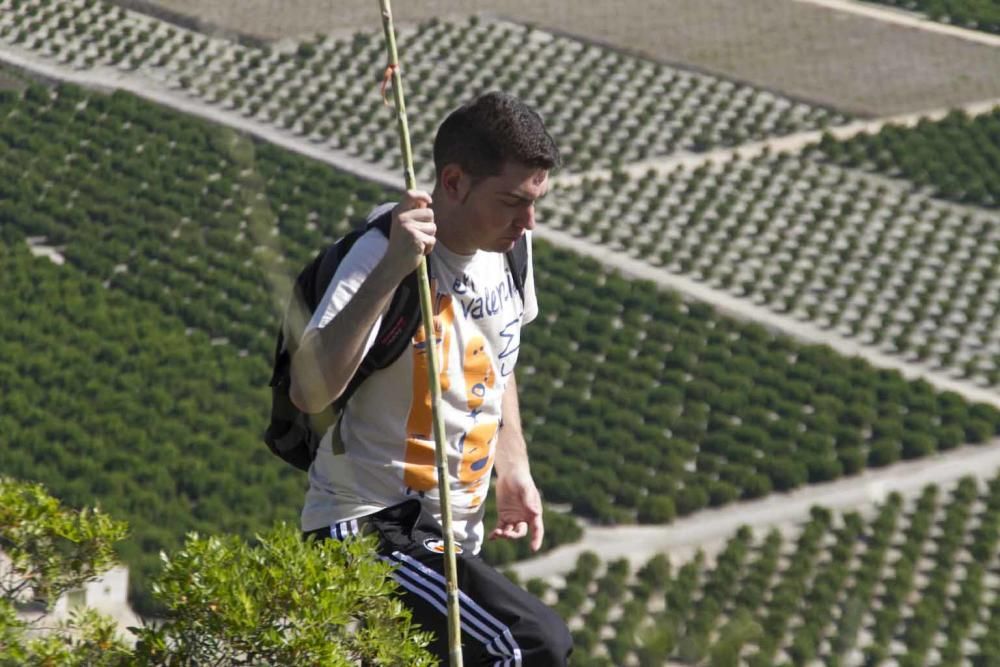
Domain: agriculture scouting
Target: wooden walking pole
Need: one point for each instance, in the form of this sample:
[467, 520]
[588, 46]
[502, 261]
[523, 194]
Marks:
[426, 308]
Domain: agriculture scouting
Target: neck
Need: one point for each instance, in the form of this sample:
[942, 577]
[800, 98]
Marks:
[450, 229]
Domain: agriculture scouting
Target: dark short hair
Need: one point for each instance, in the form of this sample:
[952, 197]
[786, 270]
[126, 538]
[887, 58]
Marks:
[491, 130]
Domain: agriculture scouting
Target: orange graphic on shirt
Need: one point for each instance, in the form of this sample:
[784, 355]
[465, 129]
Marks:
[477, 444]
[418, 472]
[478, 370]
[477, 453]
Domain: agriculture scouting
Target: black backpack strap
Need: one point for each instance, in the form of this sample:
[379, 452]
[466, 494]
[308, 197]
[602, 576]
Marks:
[517, 260]
[288, 434]
[399, 323]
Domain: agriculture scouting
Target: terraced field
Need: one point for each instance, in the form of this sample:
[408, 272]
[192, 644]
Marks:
[609, 110]
[135, 373]
[869, 258]
[9, 80]
[909, 583]
[973, 14]
[831, 58]
[204, 227]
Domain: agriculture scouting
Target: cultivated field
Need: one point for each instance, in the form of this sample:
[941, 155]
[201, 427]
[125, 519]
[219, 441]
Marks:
[851, 62]
[640, 404]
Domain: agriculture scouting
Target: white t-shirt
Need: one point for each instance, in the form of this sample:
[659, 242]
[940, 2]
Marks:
[386, 427]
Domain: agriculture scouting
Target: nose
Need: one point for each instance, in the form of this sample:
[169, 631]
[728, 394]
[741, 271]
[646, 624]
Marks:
[527, 219]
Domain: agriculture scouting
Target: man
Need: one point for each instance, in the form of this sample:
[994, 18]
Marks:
[375, 471]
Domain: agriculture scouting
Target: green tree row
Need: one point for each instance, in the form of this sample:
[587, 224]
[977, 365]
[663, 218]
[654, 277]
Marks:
[643, 407]
[916, 575]
[977, 14]
[958, 156]
[106, 399]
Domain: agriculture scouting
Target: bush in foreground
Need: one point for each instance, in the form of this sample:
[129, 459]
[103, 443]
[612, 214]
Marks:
[277, 602]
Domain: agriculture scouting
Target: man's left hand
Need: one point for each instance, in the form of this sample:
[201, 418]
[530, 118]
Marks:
[519, 509]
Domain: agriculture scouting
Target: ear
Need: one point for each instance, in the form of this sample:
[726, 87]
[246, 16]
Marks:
[453, 182]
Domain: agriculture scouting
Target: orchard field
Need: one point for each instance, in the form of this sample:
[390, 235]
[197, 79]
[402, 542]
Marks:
[147, 256]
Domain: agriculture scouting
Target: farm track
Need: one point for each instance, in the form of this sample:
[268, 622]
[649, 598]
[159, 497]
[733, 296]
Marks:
[787, 144]
[904, 18]
[709, 529]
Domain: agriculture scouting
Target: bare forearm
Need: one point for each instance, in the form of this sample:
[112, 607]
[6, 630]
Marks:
[512, 453]
[327, 358]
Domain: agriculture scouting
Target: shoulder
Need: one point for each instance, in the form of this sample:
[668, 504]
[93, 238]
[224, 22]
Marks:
[372, 241]
[360, 259]
[372, 244]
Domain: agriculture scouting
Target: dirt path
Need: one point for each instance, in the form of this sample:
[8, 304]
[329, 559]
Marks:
[908, 19]
[787, 143]
[740, 308]
[709, 529]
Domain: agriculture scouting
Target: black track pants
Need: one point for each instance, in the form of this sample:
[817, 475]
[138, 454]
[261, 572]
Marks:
[502, 624]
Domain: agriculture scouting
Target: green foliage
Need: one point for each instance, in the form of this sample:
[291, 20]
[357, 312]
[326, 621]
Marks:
[656, 572]
[649, 433]
[654, 645]
[977, 14]
[163, 429]
[737, 632]
[280, 601]
[51, 549]
[810, 599]
[537, 587]
[656, 509]
[956, 156]
[85, 639]
[306, 51]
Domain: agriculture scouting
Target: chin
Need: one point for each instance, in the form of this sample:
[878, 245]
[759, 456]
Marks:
[505, 245]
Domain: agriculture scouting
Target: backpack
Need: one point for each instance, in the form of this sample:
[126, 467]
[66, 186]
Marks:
[294, 435]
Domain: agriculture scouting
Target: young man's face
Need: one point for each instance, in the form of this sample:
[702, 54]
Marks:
[497, 210]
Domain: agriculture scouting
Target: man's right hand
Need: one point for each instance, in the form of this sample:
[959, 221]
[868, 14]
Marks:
[412, 234]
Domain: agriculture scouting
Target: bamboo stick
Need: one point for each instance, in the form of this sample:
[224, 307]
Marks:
[426, 307]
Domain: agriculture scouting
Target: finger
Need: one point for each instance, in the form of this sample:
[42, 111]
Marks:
[537, 532]
[421, 214]
[425, 227]
[506, 531]
[514, 531]
[418, 199]
[425, 242]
